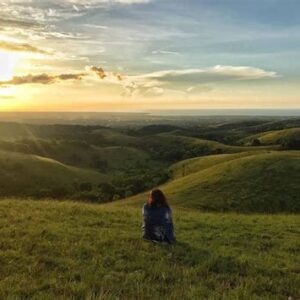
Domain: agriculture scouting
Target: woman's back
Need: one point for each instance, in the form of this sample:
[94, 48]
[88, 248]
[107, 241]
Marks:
[157, 222]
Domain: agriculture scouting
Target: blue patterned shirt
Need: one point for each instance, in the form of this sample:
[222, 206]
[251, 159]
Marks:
[158, 224]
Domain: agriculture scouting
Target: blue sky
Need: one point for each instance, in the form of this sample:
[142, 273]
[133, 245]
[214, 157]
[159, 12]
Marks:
[154, 53]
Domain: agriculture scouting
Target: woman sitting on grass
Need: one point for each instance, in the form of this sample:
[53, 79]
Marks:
[157, 214]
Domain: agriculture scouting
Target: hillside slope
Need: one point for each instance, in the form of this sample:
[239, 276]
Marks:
[173, 148]
[64, 250]
[274, 137]
[211, 146]
[25, 175]
[266, 182]
[193, 165]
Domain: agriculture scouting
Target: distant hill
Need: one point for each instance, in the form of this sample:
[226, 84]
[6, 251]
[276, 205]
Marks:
[111, 137]
[170, 147]
[266, 182]
[155, 129]
[273, 137]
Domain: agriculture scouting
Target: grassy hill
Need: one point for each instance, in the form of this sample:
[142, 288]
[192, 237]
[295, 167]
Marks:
[273, 137]
[193, 165]
[212, 146]
[25, 175]
[122, 157]
[113, 137]
[80, 153]
[65, 250]
[266, 182]
[172, 148]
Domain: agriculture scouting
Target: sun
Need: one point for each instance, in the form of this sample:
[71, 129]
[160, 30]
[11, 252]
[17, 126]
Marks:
[8, 61]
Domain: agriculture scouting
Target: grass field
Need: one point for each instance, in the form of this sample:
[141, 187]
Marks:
[65, 250]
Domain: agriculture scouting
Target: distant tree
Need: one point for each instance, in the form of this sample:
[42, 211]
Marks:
[89, 196]
[59, 192]
[85, 187]
[106, 188]
[219, 151]
[291, 143]
[76, 158]
[99, 164]
[128, 193]
[255, 142]
[116, 197]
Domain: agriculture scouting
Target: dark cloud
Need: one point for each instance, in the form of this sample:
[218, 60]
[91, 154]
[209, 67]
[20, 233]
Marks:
[21, 47]
[99, 71]
[119, 76]
[71, 76]
[41, 79]
[102, 74]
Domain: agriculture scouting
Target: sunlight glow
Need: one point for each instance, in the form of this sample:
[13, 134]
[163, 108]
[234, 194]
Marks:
[8, 61]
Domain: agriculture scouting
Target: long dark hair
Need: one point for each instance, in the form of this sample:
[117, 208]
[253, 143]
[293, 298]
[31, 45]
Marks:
[157, 199]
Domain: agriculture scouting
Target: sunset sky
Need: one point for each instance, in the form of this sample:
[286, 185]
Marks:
[131, 55]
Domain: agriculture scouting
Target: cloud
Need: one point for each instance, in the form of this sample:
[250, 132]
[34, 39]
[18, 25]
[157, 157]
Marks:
[18, 47]
[242, 72]
[95, 2]
[132, 1]
[165, 52]
[156, 83]
[99, 71]
[41, 79]
[77, 76]
[184, 79]
[18, 23]
[187, 80]
[213, 73]
[111, 76]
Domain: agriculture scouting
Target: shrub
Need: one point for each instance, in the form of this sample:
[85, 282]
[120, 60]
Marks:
[255, 142]
[85, 187]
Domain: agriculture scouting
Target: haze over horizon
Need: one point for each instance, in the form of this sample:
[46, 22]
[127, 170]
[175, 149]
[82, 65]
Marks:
[137, 55]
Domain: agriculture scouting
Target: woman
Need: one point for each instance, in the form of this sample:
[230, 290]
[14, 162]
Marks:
[158, 224]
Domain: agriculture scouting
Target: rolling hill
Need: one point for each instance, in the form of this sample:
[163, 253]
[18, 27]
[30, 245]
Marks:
[122, 158]
[112, 137]
[273, 137]
[193, 165]
[27, 175]
[265, 182]
[173, 148]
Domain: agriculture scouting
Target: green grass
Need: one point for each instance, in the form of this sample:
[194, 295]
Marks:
[273, 137]
[21, 174]
[65, 250]
[193, 165]
[265, 182]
